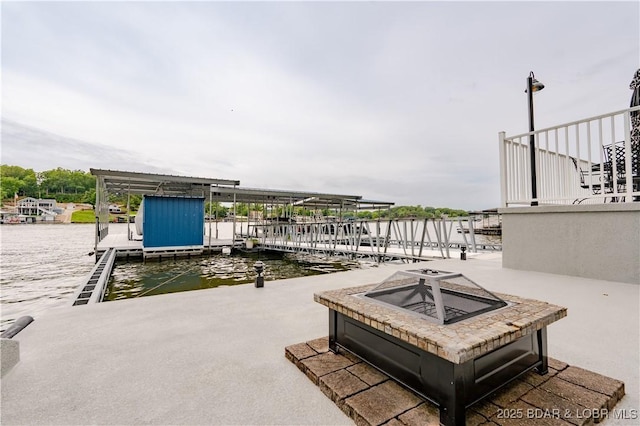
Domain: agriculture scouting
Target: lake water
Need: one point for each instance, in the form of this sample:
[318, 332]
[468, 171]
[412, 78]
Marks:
[137, 278]
[42, 265]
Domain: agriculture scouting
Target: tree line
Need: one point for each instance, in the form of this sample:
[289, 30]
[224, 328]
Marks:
[399, 212]
[77, 186]
[418, 212]
[62, 184]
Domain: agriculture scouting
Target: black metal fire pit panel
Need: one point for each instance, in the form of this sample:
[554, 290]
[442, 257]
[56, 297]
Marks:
[457, 306]
[453, 387]
[400, 359]
[438, 296]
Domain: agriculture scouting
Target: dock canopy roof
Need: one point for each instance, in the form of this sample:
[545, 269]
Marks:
[115, 181]
[224, 191]
[311, 200]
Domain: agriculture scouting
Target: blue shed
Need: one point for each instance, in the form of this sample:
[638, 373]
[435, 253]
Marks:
[175, 222]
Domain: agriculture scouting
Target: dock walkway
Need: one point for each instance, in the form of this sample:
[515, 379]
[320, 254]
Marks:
[126, 247]
[133, 248]
[217, 356]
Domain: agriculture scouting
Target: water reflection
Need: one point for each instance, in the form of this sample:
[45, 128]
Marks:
[136, 279]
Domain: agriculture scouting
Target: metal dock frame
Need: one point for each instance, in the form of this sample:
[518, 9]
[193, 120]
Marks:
[93, 289]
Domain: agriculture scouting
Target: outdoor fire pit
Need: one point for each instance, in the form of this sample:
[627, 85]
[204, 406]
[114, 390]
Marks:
[438, 296]
[441, 335]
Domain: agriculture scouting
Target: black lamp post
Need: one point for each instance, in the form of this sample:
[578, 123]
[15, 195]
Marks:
[533, 85]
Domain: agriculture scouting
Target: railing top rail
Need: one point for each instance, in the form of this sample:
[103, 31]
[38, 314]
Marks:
[573, 123]
[258, 223]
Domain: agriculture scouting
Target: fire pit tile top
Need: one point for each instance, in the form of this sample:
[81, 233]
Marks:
[457, 342]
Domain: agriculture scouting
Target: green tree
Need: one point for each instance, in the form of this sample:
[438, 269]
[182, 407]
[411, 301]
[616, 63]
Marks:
[365, 214]
[10, 186]
[54, 181]
[61, 184]
[241, 209]
[89, 197]
[134, 202]
[15, 171]
[217, 210]
[16, 180]
[30, 188]
[62, 181]
[77, 182]
[412, 212]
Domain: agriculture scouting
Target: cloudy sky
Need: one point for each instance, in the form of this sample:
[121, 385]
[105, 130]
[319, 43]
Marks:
[395, 101]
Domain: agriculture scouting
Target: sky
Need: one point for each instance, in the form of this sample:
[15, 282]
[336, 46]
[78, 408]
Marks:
[394, 101]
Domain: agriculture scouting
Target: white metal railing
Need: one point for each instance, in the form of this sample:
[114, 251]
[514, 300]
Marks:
[412, 239]
[585, 161]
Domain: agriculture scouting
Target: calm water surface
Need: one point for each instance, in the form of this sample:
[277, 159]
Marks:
[135, 279]
[41, 266]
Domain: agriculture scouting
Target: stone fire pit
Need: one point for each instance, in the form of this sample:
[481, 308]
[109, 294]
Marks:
[452, 364]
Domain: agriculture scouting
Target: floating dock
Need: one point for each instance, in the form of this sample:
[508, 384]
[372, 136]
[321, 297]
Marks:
[128, 248]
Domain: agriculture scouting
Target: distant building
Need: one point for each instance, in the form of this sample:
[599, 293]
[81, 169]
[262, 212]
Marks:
[29, 206]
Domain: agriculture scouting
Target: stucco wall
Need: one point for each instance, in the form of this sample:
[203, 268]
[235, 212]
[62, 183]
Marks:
[592, 241]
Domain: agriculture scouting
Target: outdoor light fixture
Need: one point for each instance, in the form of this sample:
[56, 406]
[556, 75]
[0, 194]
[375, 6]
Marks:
[533, 85]
[536, 86]
[259, 268]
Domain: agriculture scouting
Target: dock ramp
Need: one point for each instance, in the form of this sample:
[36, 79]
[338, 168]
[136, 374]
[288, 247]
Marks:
[92, 290]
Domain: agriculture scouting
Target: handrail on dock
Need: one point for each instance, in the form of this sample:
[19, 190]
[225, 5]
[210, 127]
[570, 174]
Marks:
[17, 327]
[404, 239]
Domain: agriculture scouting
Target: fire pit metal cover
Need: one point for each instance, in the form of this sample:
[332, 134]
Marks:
[437, 296]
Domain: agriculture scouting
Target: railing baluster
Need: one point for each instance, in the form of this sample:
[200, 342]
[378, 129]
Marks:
[612, 158]
[628, 167]
[567, 171]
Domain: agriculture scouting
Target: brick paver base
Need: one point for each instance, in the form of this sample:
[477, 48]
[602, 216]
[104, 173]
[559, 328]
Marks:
[566, 396]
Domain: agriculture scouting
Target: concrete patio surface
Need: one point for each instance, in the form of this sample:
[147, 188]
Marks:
[217, 356]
